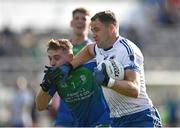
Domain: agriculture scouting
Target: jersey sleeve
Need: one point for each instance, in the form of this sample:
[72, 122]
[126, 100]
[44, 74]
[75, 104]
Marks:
[131, 59]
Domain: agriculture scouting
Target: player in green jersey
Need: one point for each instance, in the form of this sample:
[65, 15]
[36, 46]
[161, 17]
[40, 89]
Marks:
[79, 38]
[80, 92]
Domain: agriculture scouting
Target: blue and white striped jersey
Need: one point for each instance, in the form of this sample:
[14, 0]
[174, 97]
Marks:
[129, 55]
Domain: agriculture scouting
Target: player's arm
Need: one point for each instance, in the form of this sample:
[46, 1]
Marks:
[86, 54]
[48, 88]
[42, 100]
[113, 75]
[130, 85]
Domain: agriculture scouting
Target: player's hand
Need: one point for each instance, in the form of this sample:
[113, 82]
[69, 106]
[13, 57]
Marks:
[52, 75]
[109, 71]
[65, 70]
[101, 76]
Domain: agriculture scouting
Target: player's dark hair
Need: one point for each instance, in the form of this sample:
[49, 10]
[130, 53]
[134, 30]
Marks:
[81, 10]
[63, 44]
[106, 17]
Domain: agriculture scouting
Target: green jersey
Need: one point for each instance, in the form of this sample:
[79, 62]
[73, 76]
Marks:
[78, 86]
[77, 48]
[83, 96]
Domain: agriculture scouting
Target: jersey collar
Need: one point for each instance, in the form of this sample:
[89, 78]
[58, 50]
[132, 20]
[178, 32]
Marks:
[107, 49]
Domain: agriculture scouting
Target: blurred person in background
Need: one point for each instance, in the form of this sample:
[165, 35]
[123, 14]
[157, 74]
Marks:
[79, 38]
[173, 109]
[129, 103]
[31, 43]
[9, 45]
[21, 104]
[85, 100]
[166, 12]
[80, 27]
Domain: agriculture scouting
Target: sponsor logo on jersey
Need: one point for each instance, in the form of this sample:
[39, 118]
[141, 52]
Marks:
[116, 69]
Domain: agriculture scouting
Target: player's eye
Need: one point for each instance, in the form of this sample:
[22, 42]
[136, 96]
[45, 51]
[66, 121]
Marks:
[57, 58]
[95, 30]
[49, 58]
[84, 19]
[76, 18]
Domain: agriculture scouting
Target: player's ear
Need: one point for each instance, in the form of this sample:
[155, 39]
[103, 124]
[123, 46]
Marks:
[70, 57]
[112, 28]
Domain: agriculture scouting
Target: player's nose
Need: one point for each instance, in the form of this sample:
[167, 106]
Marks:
[94, 36]
[52, 63]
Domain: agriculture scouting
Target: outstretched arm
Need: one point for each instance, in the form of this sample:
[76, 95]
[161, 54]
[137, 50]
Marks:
[42, 100]
[48, 88]
[86, 54]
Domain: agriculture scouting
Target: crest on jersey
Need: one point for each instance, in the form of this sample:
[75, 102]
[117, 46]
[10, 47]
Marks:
[83, 79]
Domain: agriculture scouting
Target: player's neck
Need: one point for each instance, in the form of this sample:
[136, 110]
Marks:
[112, 41]
[78, 39]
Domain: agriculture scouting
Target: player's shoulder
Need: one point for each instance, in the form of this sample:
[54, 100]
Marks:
[127, 46]
[82, 69]
[123, 46]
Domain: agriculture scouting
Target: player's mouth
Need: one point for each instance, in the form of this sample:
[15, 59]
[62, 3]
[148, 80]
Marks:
[80, 27]
[95, 39]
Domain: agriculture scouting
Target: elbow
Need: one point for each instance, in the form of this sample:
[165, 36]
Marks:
[136, 93]
[39, 108]
[136, 90]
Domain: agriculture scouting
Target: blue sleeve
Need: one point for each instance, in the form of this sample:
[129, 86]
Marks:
[91, 65]
[65, 116]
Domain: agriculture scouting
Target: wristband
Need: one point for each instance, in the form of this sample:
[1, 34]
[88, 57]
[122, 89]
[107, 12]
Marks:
[111, 82]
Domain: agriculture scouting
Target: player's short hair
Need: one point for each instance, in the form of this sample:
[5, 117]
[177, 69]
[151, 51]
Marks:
[81, 10]
[106, 17]
[63, 44]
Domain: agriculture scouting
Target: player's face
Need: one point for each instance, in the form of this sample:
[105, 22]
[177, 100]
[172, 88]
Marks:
[80, 23]
[101, 33]
[58, 57]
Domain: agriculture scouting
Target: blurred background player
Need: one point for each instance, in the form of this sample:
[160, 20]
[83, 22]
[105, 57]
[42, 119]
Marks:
[127, 98]
[80, 28]
[21, 104]
[80, 93]
[79, 38]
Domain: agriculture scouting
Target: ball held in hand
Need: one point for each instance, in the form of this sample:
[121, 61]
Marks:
[114, 69]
